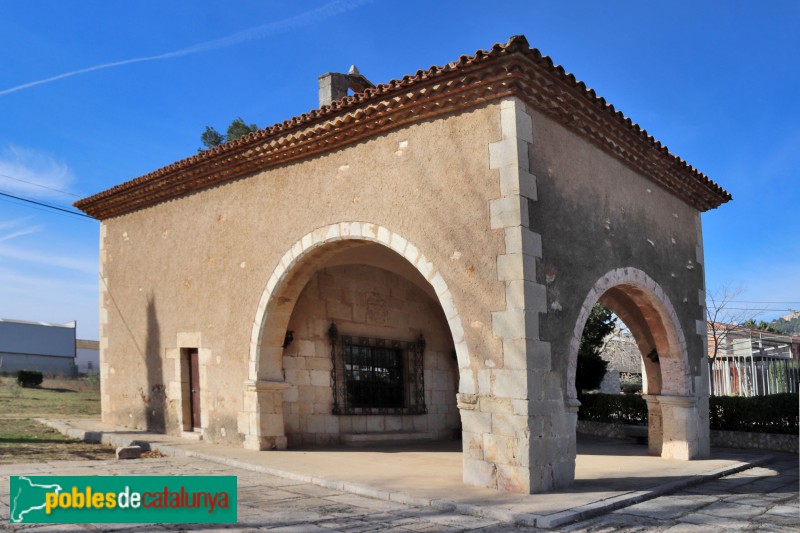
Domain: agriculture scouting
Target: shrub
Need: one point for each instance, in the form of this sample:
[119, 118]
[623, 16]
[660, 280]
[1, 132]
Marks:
[93, 380]
[29, 378]
[776, 413]
[591, 367]
[617, 408]
[630, 383]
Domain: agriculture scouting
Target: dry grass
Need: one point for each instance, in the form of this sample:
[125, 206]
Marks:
[23, 440]
[56, 397]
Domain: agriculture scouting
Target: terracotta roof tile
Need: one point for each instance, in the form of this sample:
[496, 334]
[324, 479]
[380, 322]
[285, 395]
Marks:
[535, 78]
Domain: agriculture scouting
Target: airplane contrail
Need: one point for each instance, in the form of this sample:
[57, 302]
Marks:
[259, 32]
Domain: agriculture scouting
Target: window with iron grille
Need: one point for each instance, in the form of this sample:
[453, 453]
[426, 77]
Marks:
[376, 376]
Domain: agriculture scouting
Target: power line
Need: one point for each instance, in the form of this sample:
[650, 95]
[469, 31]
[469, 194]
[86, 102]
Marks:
[760, 302]
[756, 308]
[43, 210]
[39, 185]
[46, 205]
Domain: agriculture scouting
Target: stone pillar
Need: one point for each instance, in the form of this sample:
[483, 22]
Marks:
[655, 434]
[681, 427]
[701, 382]
[565, 465]
[261, 421]
[703, 422]
[518, 434]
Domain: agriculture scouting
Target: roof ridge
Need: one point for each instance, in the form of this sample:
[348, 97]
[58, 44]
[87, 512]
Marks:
[516, 45]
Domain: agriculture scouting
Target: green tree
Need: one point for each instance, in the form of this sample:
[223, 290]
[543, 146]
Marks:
[591, 367]
[787, 327]
[238, 128]
[211, 138]
[760, 326]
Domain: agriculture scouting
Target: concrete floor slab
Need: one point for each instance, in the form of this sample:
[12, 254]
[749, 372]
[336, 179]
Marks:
[609, 474]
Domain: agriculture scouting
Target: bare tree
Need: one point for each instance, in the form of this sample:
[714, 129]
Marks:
[723, 316]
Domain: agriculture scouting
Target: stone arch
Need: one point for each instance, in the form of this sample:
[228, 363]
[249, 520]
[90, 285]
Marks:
[261, 421]
[644, 307]
[674, 421]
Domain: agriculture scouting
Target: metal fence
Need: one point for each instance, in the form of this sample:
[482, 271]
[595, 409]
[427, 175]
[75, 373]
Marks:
[753, 375]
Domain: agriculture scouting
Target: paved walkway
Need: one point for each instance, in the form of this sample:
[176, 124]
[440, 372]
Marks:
[610, 475]
[757, 499]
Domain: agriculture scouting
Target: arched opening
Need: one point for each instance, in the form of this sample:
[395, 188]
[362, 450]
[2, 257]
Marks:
[675, 420]
[387, 369]
[388, 305]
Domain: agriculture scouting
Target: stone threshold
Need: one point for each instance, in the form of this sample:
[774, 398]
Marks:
[545, 521]
[387, 437]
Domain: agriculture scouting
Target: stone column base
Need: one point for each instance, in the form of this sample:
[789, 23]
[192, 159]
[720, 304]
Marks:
[655, 431]
[680, 424]
[251, 442]
[261, 421]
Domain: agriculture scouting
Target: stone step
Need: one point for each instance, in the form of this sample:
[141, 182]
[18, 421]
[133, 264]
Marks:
[389, 437]
[192, 435]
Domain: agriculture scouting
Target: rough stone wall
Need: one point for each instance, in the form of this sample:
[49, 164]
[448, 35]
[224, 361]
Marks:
[195, 267]
[622, 355]
[719, 439]
[372, 302]
[755, 441]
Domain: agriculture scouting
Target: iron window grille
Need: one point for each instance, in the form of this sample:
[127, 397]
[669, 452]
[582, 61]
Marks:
[376, 376]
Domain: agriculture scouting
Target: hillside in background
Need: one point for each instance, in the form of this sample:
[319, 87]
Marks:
[787, 327]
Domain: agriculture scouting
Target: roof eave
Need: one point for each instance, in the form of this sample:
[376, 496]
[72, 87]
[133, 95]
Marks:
[513, 69]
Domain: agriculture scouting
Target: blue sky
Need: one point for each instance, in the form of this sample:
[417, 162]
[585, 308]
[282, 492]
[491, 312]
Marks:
[714, 81]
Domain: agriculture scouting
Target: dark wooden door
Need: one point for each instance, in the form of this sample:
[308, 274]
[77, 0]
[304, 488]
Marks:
[194, 385]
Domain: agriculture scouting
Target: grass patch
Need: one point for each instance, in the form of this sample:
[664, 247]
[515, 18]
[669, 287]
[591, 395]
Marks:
[23, 440]
[72, 397]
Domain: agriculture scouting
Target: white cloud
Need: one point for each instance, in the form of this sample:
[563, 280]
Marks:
[13, 223]
[28, 286]
[25, 296]
[34, 174]
[70, 263]
[21, 232]
[17, 228]
[306, 18]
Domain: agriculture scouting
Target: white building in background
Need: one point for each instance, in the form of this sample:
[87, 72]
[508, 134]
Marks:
[750, 362]
[87, 356]
[48, 348]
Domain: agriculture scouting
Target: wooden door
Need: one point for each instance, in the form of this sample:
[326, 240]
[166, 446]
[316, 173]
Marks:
[194, 386]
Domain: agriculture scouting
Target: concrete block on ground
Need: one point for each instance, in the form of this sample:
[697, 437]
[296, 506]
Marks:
[129, 452]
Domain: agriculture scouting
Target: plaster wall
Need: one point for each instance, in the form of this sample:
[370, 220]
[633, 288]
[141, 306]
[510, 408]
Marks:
[370, 302]
[596, 215]
[610, 234]
[190, 272]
